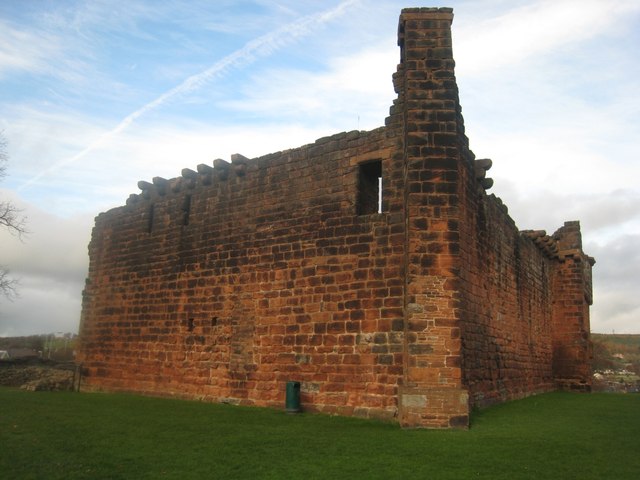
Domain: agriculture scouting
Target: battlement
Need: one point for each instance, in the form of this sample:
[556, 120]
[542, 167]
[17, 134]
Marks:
[556, 246]
[221, 170]
[202, 176]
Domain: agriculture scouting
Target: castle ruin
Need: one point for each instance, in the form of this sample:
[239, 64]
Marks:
[372, 267]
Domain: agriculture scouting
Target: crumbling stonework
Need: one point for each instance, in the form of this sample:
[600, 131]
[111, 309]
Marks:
[229, 281]
[36, 375]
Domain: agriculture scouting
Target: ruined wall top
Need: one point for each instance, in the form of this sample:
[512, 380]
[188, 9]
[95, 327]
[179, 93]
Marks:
[430, 12]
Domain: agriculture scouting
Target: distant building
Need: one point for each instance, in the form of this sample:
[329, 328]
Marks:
[22, 353]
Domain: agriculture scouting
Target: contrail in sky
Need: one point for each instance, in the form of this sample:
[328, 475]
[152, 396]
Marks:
[259, 47]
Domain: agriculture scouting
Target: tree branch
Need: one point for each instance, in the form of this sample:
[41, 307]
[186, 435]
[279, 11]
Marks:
[11, 219]
[8, 285]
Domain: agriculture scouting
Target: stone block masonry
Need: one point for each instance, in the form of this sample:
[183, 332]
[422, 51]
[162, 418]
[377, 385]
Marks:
[372, 267]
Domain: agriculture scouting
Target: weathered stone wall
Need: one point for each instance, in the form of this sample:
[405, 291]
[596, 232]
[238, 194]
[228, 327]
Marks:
[229, 281]
[572, 350]
[507, 328]
[525, 313]
[432, 394]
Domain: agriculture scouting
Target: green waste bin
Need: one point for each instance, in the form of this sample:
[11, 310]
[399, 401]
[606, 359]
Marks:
[292, 402]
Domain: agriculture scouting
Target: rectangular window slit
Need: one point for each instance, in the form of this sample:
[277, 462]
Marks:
[186, 210]
[369, 188]
[150, 219]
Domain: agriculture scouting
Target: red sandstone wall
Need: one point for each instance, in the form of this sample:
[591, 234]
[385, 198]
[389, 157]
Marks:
[432, 394]
[490, 314]
[525, 315]
[275, 278]
[228, 282]
[572, 349]
[507, 315]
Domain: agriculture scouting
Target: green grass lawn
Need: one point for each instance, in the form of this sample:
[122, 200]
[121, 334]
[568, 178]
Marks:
[71, 435]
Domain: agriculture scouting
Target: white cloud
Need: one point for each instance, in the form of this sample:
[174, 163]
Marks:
[54, 247]
[44, 306]
[556, 120]
[264, 45]
[614, 311]
[601, 214]
[537, 28]
[615, 284]
[354, 92]
[40, 135]
[50, 265]
[25, 51]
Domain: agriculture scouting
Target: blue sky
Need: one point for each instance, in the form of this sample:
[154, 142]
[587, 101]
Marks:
[97, 95]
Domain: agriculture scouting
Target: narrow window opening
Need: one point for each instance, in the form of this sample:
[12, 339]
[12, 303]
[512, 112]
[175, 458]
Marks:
[370, 188]
[150, 219]
[214, 321]
[401, 41]
[186, 210]
[190, 325]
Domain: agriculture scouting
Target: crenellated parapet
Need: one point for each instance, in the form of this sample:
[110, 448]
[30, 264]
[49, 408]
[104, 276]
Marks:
[223, 171]
[555, 247]
[220, 171]
[544, 242]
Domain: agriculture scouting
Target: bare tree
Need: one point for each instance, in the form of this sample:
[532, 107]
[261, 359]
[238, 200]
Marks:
[10, 218]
